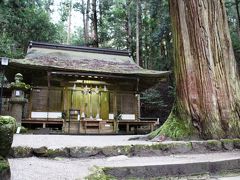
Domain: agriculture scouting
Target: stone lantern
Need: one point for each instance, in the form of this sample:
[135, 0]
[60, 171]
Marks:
[18, 99]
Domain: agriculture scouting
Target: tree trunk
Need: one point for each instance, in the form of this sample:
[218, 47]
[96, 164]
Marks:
[94, 21]
[138, 29]
[128, 25]
[83, 11]
[69, 23]
[87, 21]
[207, 83]
[138, 32]
[100, 38]
[146, 33]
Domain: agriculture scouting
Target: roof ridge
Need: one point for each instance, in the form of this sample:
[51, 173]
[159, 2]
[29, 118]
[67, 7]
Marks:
[78, 48]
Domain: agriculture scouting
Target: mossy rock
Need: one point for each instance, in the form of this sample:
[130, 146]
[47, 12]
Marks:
[199, 146]
[214, 145]
[181, 147]
[236, 143]
[116, 150]
[83, 152]
[4, 169]
[41, 151]
[23, 130]
[142, 150]
[7, 129]
[99, 173]
[63, 152]
[161, 146]
[173, 148]
[227, 144]
[21, 152]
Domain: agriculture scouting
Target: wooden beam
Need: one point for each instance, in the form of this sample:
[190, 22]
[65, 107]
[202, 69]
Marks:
[92, 74]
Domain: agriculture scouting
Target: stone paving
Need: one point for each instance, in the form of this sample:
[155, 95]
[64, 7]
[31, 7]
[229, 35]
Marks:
[72, 157]
[70, 169]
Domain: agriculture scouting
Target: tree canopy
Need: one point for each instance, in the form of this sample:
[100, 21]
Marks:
[23, 21]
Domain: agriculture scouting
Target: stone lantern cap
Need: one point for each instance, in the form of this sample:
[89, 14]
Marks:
[18, 84]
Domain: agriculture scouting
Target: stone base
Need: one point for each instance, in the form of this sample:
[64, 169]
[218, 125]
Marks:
[16, 112]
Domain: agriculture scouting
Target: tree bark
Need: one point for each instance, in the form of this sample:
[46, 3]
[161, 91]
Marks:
[138, 33]
[207, 82]
[69, 23]
[128, 25]
[100, 5]
[94, 21]
[87, 21]
[146, 41]
[83, 11]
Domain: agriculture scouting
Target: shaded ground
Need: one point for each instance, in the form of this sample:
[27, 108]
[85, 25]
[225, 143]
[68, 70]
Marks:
[70, 169]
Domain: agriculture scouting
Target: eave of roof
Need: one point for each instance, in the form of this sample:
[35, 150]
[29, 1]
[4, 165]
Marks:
[82, 59]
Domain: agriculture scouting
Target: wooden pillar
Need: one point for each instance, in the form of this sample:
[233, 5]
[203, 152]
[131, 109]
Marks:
[138, 100]
[115, 102]
[115, 124]
[49, 84]
[30, 105]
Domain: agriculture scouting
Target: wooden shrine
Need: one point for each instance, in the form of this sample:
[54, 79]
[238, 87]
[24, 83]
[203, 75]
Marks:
[87, 90]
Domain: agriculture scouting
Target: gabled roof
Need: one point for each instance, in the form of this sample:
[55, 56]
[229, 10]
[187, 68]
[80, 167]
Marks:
[82, 59]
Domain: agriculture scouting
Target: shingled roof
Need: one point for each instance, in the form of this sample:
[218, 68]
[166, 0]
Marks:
[82, 59]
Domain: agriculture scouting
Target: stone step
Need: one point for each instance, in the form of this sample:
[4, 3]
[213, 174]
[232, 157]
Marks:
[154, 149]
[155, 169]
[123, 167]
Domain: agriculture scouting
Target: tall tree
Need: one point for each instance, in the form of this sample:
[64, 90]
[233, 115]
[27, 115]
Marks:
[69, 22]
[81, 7]
[138, 33]
[95, 23]
[87, 21]
[207, 82]
[128, 25]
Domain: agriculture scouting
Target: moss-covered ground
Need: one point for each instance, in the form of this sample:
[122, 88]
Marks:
[173, 128]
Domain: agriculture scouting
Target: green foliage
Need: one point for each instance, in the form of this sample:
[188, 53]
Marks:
[7, 47]
[22, 21]
[3, 164]
[152, 97]
[4, 120]
[64, 10]
[78, 37]
[117, 29]
[233, 23]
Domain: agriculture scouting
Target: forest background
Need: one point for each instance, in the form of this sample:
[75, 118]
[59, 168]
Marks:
[142, 27]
